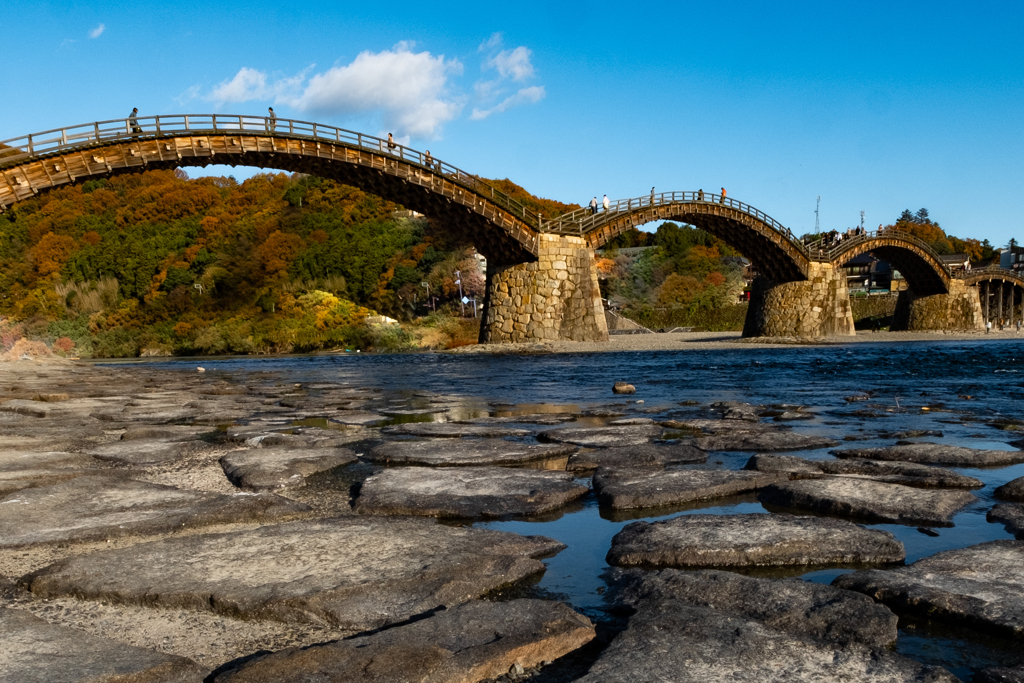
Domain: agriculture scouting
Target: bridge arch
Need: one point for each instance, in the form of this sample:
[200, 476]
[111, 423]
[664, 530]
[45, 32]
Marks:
[770, 246]
[500, 227]
[921, 266]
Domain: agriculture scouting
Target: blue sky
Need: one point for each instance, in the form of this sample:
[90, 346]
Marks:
[875, 106]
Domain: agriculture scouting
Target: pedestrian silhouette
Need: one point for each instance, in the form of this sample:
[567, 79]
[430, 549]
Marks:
[133, 120]
[700, 195]
[652, 196]
[606, 203]
[593, 206]
[272, 119]
[391, 142]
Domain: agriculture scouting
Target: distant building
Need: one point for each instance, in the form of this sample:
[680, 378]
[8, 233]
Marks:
[957, 263]
[1012, 257]
[867, 273]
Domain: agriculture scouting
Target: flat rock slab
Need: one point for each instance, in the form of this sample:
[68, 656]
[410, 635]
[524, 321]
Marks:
[1011, 516]
[454, 430]
[93, 507]
[763, 441]
[533, 418]
[354, 573]
[670, 640]
[756, 540]
[711, 426]
[906, 473]
[1013, 490]
[981, 586]
[356, 417]
[35, 651]
[468, 643]
[798, 607]
[23, 469]
[935, 454]
[467, 492]
[643, 455]
[138, 452]
[165, 432]
[603, 437]
[464, 452]
[629, 489]
[265, 469]
[868, 500]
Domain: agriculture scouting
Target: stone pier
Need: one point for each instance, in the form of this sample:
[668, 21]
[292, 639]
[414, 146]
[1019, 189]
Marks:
[553, 298]
[960, 309]
[814, 307]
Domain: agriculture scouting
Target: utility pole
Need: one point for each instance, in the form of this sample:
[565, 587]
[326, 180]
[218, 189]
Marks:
[817, 221]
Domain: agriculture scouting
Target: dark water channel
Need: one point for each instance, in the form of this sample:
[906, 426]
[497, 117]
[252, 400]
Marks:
[972, 392]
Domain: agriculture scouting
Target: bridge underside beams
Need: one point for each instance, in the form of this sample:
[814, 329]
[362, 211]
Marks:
[470, 218]
[959, 309]
[923, 276]
[554, 298]
[1001, 300]
[817, 307]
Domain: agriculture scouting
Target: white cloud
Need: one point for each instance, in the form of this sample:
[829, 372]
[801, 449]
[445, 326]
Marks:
[248, 84]
[98, 31]
[494, 41]
[513, 63]
[529, 95]
[409, 89]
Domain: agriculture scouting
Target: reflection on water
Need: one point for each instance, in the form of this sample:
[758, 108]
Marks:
[965, 394]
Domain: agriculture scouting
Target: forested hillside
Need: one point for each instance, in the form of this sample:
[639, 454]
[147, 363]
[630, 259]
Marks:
[158, 263]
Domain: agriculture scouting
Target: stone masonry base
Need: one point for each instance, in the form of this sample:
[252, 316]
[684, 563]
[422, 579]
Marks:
[960, 309]
[553, 298]
[815, 307]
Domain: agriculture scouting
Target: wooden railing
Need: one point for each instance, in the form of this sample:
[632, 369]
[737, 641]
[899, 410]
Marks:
[63, 140]
[582, 221]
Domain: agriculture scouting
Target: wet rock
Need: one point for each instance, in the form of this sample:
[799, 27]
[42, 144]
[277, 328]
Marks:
[414, 411]
[763, 441]
[798, 607]
[467, 492]
[632, 421]
[736, 410]
[472, 642]
[906, 473]
[453, 430]
[355, 417]
[138, 452]
[869, 500]
[705, 426]
[533, 418]
[94, 507]
[791, 415]
[602, 437]
[629, 489]
[464, 452]
[670, 640]
[623, 388]
[34, 651]
[26, 408]
[935, 454]
[981, 587]
[601, 412]
[1013, 490]
[354, 573]
[26, 469]
[643, 455]
[756, 540]
[999, 674]
[264, 469]
[1011, 516]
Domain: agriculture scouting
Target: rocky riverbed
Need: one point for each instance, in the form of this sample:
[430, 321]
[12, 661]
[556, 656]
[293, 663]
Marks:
[182, 524]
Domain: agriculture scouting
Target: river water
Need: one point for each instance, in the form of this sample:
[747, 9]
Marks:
[970, 391]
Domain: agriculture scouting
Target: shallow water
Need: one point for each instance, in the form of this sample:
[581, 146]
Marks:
[971, 391]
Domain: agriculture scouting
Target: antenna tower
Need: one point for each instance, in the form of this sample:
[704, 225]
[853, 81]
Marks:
[817, 222]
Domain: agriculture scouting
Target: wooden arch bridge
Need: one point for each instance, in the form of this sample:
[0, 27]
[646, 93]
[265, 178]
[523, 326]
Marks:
[512, 237]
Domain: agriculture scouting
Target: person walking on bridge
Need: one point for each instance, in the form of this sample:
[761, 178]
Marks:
[391, 143]
[652, 196]
[271, 119]
[606, 203]
[700, 195]
[593, 206]
[723, 195]
[133, 120]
